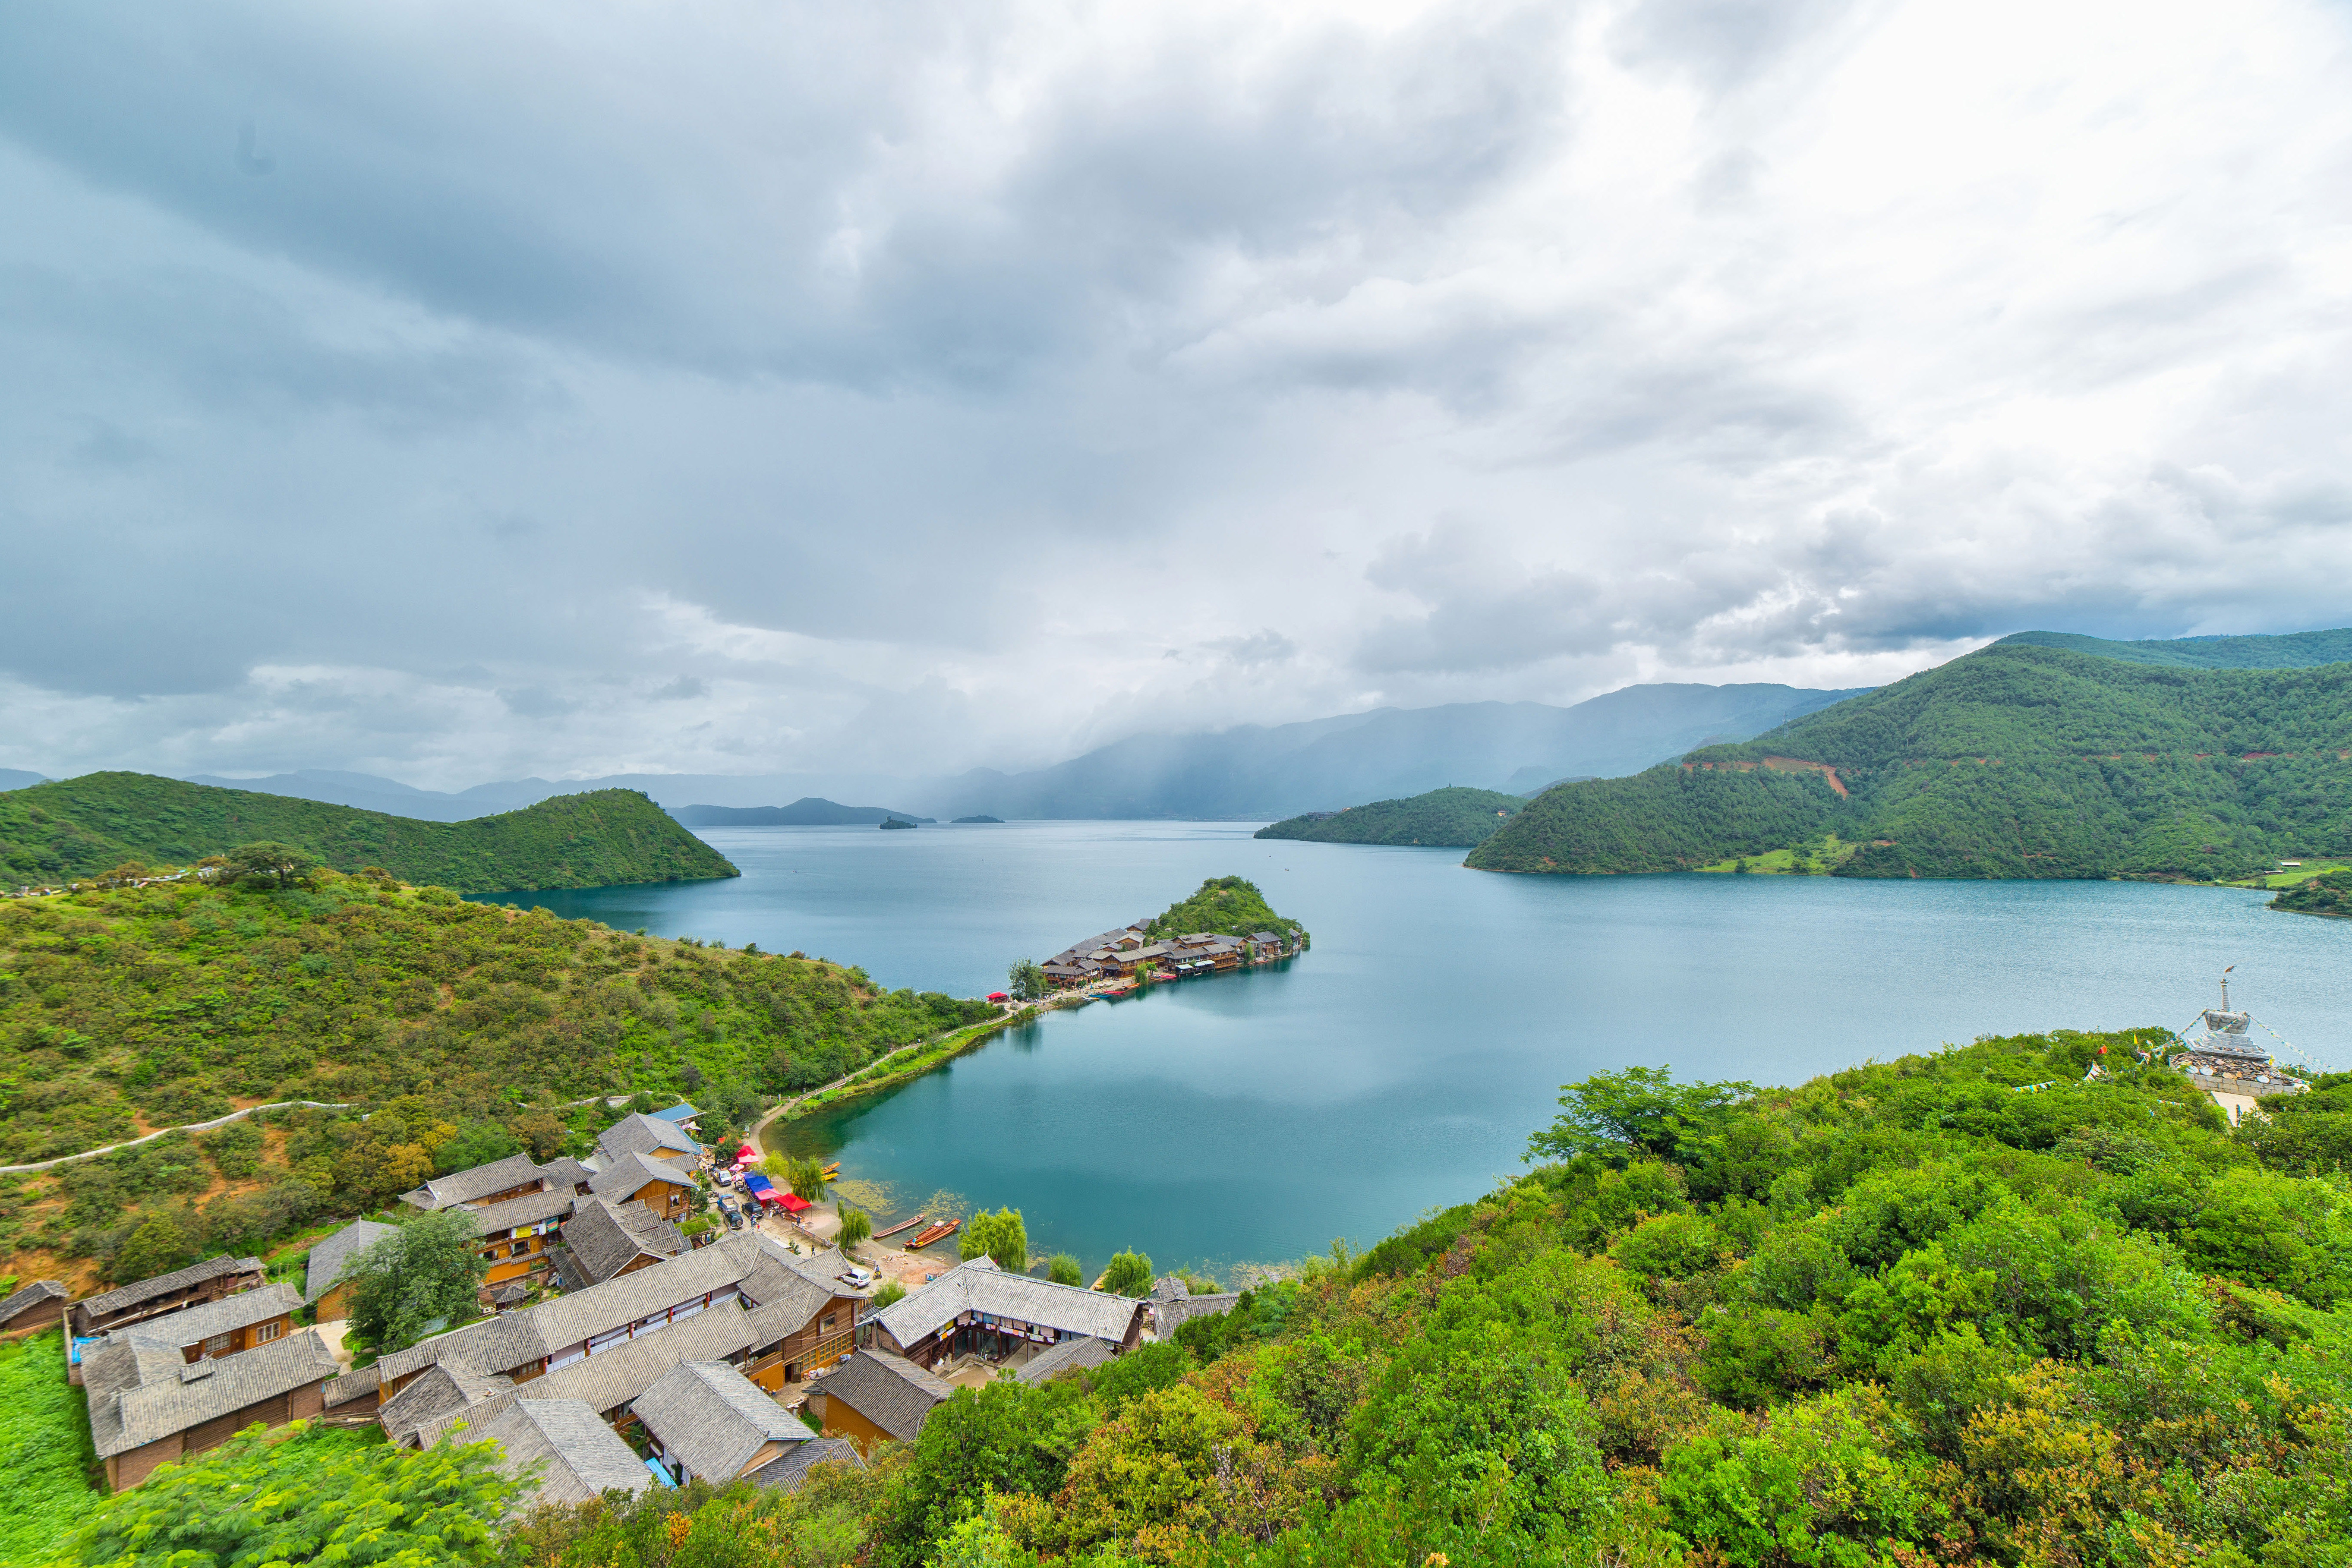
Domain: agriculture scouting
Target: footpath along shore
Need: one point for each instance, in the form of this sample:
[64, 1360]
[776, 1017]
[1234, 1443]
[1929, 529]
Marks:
[906, 1062]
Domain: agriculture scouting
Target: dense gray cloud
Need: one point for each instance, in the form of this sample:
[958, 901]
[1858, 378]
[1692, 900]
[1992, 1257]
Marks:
[457, 393]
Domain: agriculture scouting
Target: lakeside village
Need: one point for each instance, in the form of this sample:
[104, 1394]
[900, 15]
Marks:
[617, 1351]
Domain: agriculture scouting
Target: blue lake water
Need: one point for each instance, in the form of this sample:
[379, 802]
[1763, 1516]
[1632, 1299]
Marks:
[1401, 1064]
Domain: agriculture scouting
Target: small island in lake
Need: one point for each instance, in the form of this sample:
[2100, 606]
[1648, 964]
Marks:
[998, 820]
[1226, 924]
[890, 822]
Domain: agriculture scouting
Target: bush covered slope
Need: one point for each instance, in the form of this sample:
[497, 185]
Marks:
[85, 827]
[2016, 761]
[1455, 816]
[166, 1004]
[1924, 1313]
[2329, 893]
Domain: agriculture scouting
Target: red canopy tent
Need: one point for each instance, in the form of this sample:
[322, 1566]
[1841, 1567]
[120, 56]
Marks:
[748, 1154]
[794, 1202]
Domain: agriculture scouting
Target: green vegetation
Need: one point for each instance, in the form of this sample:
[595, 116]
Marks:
[1232, 905]
[2324, 893]
[463, 1027]
[2295, 650]
[1025, 981]
[87, 826]
[45, 1450]
[1454, 815]
[1063, 1270]
[856, 1224]
[303, 1494]
[1001, 1235]
[424, 1276]
[1130, 1274]
[1969, 1308]
[2016, 761]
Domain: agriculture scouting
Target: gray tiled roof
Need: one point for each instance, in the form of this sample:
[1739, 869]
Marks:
[435, 1392]
[356, 1384]
[1070, 1355]
[478, 1182]
[580, 1457]
[789, 1469]
[638, 1133]
[490, 1219]
[713, 1419]
[889, 1391]
[1173, 1305]
[194, 1325]
[330, 1252]
[502, 1344]
[980, 1286]
[139, 1390]
[625, 1175]
[564, 1174]
[30, 1296]
[137, 1290]
[605, 1237]
[610, 1380]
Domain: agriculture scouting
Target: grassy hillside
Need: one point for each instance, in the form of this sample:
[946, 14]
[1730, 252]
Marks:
[85, 827]
[1914, 1314]
[1228, 904]
[2016, 761]
[138, 1007]
[1454, 815]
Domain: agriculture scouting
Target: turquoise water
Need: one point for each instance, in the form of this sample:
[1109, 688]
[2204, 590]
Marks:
[1402, 1063]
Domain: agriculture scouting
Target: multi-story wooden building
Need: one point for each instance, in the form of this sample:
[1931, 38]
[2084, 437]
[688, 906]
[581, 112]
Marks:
[150, 1405]
[977, 1309]
[663, 1188]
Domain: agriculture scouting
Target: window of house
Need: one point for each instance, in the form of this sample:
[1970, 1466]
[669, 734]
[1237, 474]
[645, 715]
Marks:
[219, 1344]
[517, 1249]
[267, 1332]
[825, 1325]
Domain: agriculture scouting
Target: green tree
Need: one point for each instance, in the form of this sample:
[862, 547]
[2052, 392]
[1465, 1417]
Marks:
[1063, 1271]
[1001, 1235]
[476, 1143]
[1130, 1274]
[1640, 1111]
[806, 1178]
[160, 1244]
[428, 1271]
[856, 1224]
[314, 1496]
[1027, 980]
[281, 865]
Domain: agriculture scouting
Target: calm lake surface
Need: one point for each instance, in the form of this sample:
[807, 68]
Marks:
[1402, 1063]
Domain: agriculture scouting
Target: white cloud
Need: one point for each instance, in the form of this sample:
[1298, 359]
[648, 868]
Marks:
[458, 393]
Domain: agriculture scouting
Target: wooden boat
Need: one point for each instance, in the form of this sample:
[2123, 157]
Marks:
[832, 1170]
[929, 1233]
[902, 1225]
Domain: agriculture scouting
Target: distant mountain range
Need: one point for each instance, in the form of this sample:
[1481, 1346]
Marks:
[17, 778]
[2047, 754]
[1251, 773]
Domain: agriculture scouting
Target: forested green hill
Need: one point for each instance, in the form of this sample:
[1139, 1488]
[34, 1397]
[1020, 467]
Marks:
[2293, 651]
[1232, 905]
[2017, 761]
[1455, 816]
[166, 1004]
[2329, 893]
[86, 827]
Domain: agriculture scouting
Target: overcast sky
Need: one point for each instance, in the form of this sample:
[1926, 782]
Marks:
[460, 391]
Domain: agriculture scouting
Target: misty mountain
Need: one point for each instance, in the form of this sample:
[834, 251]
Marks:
[1254, 772]
[17, 778]
[670, 791]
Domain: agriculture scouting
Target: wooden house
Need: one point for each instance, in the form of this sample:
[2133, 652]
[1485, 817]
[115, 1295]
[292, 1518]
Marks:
[663, 1188]
[150, 1405]
[229, 1326]
[330, 1300]
[877, 1397]
[654, 1137]
[34, 1307]
[516, 1232]
[977, 1309]
[605, 1240]
[705, 1420]
[561, 1451]
[481, 1185]
[162, 1295]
